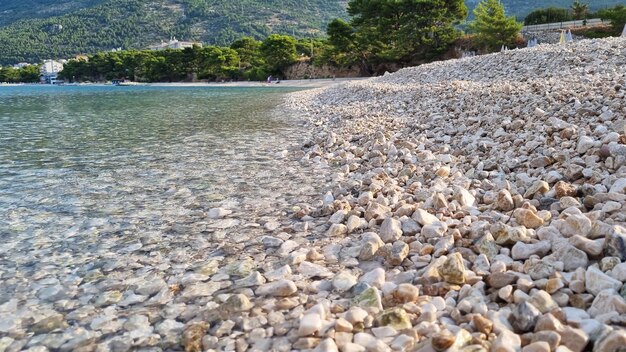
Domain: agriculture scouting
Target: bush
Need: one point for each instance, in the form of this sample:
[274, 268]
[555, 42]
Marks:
[594, 32]
[548, 15]
[617, 16]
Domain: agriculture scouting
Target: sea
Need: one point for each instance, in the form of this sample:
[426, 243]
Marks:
[107, 179]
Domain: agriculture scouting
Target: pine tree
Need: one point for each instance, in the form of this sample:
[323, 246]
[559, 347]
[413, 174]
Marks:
[492, 27]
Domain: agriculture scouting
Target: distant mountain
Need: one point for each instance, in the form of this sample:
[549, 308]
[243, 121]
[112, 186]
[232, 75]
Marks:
[33, 30]
[521, 8]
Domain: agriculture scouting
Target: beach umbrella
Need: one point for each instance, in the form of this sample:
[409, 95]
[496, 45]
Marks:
[562, 40]
[502, 49]
[569, 38]
[624, 31]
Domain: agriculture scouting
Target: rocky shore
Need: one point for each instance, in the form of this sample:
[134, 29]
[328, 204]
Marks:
[479, 205]
[467, 205]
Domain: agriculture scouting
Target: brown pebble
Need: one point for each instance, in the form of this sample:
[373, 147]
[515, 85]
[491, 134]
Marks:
[482, 324]
[442, 341]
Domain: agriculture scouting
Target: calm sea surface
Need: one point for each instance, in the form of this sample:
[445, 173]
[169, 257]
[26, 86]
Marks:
[98, 178]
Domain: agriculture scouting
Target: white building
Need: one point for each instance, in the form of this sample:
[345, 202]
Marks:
[49, 71]
[173, 44]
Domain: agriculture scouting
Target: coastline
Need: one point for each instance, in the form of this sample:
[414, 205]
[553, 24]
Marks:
[305, 83]
[468, 205]
[470, 211]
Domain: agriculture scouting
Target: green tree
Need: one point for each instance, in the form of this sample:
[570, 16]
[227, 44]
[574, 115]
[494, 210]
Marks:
[547, 15]
[279, 51]
[579, 10]
[397, 31]
[29, 74]
[217, 63]
[344, 50]
[249, 51]
[617, 16]
[492, 28]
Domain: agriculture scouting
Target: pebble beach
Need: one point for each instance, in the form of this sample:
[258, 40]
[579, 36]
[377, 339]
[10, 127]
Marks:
[466, 205]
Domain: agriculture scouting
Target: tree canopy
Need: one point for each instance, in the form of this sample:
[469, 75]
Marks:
[548, 15]
[579, 10]
[27, 74]
[395, 31]
[492, 28]
[617, 16]
[279, 51]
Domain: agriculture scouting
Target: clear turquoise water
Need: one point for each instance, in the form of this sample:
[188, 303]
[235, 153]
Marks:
[45, 128]
[87, 169]
[107, 189]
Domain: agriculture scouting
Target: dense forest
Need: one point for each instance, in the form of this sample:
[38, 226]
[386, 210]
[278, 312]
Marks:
[521, 8]
[245, 58]
[33, 30]
[381, 35]
[135, 24]
[28, 74]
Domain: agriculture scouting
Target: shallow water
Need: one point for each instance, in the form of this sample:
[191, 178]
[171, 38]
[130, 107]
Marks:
[116, 182]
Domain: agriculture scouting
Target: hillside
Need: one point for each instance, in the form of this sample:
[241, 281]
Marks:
[88, 26]
[32, 30]
[521, 8]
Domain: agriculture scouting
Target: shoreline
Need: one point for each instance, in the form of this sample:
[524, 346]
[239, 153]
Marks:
[473, 205]
[470, 211]
[305, 83]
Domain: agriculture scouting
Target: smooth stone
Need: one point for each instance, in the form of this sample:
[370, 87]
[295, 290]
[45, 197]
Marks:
[200, 290]
[537, 346]
[280, 288]
[406, 293]
[453, 269]
[615, 243]
[237, 303]
[507, 341]
[571, 257]
[614, 341]
[538, 187]
[523, 250]
[619, 186]
[424, 218]
[597, 281]
[218, 213]
[310, 324]
[396, 318]
[543, 301]
[375, 278]
[310, 270]
[398, 252]
[390, 230]
[356, 315]
[442, 341]
[327, 345]
[344, 281]
[337, 230]
[524, 317]
[527, 218]
[504, 201]
[370, 298]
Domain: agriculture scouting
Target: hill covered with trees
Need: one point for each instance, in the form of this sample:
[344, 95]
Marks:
[33, 30]
[89, 26]
[521, 8]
